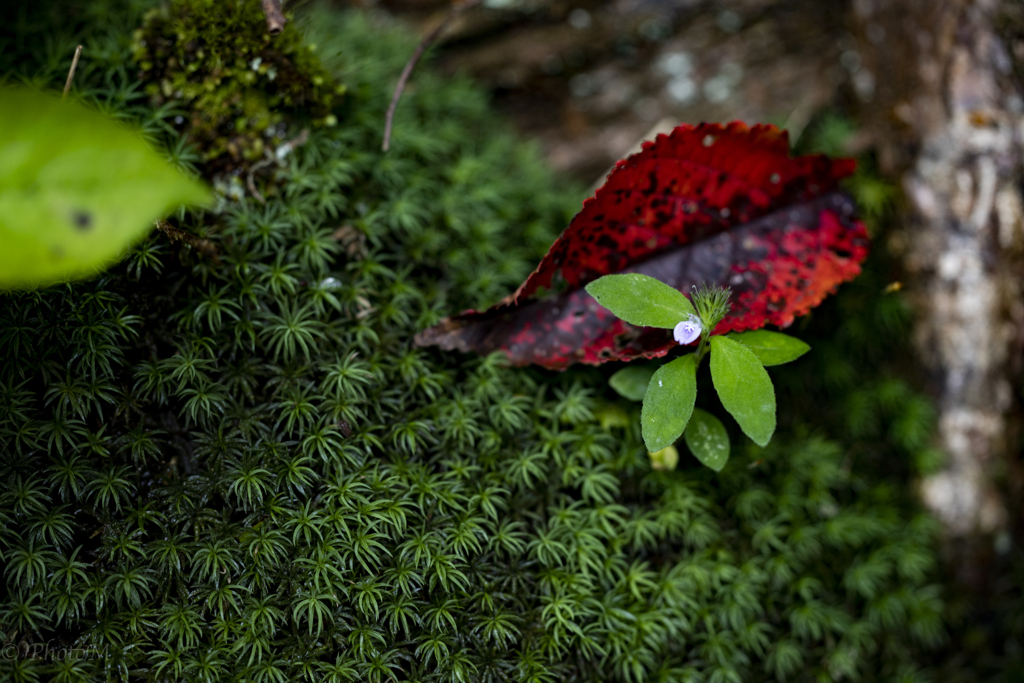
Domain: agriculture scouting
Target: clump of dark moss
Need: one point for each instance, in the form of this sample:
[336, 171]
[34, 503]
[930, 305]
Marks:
[239, 83]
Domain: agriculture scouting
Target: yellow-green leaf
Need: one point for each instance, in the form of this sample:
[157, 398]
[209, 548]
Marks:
[665, 460]
[631, 381]
[76, 189]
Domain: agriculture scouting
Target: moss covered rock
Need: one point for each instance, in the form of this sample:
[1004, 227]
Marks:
[240, 85]
[237, 468]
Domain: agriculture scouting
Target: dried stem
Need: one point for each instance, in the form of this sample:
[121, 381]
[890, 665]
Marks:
[281, 152]
[203, 246]
[428, 39]
[250, 182]
[275, 17]
[71, 71]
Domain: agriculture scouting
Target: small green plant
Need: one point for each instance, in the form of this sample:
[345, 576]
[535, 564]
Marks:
[669, 393]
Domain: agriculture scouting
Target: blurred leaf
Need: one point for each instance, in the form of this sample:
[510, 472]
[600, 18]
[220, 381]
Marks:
[831, 135]
[929, 461]
[631, 381]
[669, 402]
[707, 439]
[744, 387]
[76, 189]
[874, 196]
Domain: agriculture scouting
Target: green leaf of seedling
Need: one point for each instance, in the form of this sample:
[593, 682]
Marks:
[668, 403]
[744, 387]
[707, 439]
[772, 348]
[641, 300]
[631, 381]
[76, 189]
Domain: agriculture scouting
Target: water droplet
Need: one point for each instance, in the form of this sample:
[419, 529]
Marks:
[330, 283]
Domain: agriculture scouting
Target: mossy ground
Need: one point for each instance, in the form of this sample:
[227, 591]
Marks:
[239, 469]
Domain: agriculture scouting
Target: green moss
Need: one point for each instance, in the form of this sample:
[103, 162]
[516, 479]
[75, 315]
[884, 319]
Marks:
[241, 470]
[240, 83]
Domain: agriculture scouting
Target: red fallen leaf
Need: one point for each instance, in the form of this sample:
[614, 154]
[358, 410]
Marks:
[718, 204]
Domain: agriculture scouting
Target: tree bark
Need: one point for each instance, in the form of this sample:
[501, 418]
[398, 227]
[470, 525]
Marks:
[947, 114]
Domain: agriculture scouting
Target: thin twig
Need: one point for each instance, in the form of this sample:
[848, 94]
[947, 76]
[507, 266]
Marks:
[71, 71]
[250, 182]
[279, 154]
[297, 141]
[203, 246]
[275, 17]
[428, 39]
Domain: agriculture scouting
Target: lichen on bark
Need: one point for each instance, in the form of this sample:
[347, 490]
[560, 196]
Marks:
[949, 119]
